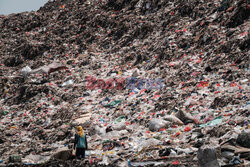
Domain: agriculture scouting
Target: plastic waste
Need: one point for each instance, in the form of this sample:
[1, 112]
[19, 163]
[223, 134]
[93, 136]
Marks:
[147, 163]
[25, 71]
[173, 119]
[214, 122]
[198, 51]
[184, 116]
[47, 69]
[120, 119]
[15, 159]
[105, 160]
[113, 103]
[68, 83]
[235, 161]
[227, 154]
[157, 124]
[36, 159]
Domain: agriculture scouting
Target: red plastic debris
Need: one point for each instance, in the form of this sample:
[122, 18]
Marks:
[199, 60]
[233, 84]
[131, 93]
[176, 162]
[226, 115]
[202, 84]
[156, 95]
[187, 129]
[177, 134]
[174, 126]
[143, 90]
[161, 129]
[141, 113]
[127, 123]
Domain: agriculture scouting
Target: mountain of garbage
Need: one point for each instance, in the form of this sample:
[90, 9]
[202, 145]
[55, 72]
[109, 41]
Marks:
[152, 83]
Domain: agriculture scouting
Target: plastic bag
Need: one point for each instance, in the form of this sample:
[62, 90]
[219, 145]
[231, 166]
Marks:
[214, 122]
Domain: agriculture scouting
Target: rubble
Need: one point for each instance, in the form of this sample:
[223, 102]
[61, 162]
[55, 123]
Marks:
[151, 83]
[63, 154]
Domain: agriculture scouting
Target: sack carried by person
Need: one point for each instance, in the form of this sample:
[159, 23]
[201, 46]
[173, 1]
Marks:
[74, 152]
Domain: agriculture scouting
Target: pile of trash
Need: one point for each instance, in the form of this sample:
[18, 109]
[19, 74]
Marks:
[161, 83]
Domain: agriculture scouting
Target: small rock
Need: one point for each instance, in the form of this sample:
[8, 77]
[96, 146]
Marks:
[244, 139]
[207, 157]
[64, 154]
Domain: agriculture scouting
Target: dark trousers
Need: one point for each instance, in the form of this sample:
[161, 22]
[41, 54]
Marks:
[80, 153]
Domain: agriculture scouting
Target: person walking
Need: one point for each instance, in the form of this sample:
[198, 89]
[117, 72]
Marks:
[80, 143]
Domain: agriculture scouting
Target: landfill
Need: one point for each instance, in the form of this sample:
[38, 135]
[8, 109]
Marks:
[152, 83]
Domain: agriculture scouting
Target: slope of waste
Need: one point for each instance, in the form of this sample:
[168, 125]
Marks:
[153, 83]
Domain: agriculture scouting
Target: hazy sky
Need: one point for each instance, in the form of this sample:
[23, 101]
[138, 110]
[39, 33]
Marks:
[16, 6]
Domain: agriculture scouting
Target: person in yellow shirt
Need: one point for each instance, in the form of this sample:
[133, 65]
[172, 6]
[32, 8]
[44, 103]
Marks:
[80, 143]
